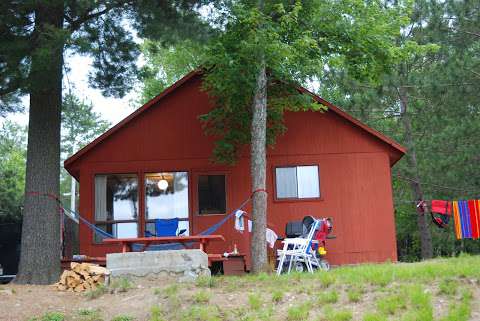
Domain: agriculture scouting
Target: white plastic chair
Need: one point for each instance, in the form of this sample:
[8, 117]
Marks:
[298, 250]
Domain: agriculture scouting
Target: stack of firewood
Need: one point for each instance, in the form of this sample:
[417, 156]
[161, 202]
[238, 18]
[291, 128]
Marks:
[82, 277]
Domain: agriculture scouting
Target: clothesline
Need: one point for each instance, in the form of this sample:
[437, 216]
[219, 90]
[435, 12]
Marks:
[466, 216]
[436, 185]
[239, 225]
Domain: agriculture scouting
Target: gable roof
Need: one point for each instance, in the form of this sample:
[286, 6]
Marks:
[198, 72]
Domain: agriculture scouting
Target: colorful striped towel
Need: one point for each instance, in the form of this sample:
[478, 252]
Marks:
[456, 219]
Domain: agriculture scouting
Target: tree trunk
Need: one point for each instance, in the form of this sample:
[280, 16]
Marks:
[40, 246]
[258, 166]
[425, 236]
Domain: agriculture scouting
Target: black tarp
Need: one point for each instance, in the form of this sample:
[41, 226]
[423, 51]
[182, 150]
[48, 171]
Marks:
[10, 234]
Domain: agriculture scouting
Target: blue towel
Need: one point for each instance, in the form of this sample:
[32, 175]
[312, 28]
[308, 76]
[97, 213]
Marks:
[465, 217]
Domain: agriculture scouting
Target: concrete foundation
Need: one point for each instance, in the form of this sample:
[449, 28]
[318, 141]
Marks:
[186, 265]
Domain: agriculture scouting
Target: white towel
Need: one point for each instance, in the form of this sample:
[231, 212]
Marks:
[239, 221]
[271, 237]
[249, 226]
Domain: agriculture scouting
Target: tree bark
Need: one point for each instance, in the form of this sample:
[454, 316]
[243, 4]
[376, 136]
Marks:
[258, 166]
[425, 235]
[40, 246]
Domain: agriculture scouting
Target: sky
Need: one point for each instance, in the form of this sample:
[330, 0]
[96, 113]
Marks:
[76, 79]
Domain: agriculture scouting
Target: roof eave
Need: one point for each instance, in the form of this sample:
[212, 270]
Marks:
[396, 146]
[71, 160]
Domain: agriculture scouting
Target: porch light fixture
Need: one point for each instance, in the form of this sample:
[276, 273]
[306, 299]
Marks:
[162, 184]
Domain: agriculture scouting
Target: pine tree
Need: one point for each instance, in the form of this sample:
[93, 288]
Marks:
[266, 50]
[429, 102]
[35, 36]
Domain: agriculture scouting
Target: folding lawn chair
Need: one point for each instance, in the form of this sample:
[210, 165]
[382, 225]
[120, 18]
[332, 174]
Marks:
[166, 227]
[299, 249]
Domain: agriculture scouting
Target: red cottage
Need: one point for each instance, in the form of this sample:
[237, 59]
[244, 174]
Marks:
[327, 164]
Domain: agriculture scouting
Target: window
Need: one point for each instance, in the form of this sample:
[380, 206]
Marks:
[116, 205]
[211, 194]
[297, 182]
[166, 196]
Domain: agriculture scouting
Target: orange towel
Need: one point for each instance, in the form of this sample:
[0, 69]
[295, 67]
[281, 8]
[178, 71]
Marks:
[456, 219]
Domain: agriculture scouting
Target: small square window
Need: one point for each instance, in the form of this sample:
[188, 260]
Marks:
[211, 194]
[297, 182]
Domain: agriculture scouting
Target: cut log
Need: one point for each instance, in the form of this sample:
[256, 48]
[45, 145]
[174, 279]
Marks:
[79, 288]
[62, 287]
[82, 277]
[98, 270]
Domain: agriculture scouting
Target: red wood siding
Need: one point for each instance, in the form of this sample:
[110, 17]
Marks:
[355, 182]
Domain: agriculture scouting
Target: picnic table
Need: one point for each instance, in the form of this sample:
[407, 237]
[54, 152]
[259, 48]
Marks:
[126, 243]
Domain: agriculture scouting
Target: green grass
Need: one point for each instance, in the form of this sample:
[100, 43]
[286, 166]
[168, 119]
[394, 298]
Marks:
[399, 292]
[331, 314]
[370, 316]
[201, 297]
[325, 279]
[89, 315]
[255, 301]
[96, 293]
[419, 305]
[123, 318]
[50, 316]
[448, 287]
[201, 313]
[169, 291]
[156, 313]
[460, 311]
[299, 312]
[326, 297]
[121, 284]
[354, 294]
[277, 296]
[421, 272]
[390, 304]
[206, 282]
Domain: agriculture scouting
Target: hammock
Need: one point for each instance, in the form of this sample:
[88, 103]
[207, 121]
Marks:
[155, 247]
